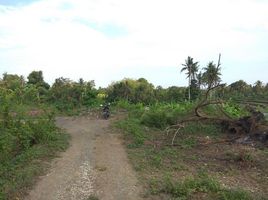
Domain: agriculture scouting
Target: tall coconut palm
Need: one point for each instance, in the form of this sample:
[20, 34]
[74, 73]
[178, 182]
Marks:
[212, 74]
[199, 78]
[191, 69]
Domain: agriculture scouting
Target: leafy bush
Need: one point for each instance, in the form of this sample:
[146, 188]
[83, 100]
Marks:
[25, 135]
[234, 110]
[162, 115]
[22, 132]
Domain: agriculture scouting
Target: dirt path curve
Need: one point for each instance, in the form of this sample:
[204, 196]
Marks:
[95, 164]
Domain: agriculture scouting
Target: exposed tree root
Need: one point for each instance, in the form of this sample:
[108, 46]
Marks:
[242, 126]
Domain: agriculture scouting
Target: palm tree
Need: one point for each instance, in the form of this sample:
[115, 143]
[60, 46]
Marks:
[199, 78]
[191, 69]
[212, 74]
[258, 87]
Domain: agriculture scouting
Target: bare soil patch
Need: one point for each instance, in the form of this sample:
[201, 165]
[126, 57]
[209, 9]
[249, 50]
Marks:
[95, 165]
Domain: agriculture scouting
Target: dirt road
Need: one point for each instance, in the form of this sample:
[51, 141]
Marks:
[95, 164]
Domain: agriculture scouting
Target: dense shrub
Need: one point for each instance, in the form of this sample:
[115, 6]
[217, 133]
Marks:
[21, 133]
[234, 110]
[25, 138]
[162, 115]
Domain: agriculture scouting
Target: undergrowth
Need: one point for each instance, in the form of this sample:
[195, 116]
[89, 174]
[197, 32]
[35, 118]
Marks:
[133, 131]
[152, 156]
[199, 186]
[26, 140]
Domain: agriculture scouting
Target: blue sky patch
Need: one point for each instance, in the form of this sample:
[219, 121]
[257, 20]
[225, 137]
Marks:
[16, 2]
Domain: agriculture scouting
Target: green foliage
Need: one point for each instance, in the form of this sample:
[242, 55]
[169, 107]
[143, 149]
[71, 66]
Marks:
[17, 173]
[241, 156]
[67, 95]
[231, 194]
[191, 69]
[134, 91]
[156, 118]
[27, 132]
[92, 197]
[133, 130]
[162, 115]
[30, 94]
[202, 183]
[211, 76]
[188, 143]
[12, 81]
[234, 110]
[198, 128]
[195, 89]
[36, 78]
[199, 184]
[22, 140]
[20, 133]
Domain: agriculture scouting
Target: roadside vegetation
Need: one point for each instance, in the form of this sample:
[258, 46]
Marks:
[204, 160]
[199, 163]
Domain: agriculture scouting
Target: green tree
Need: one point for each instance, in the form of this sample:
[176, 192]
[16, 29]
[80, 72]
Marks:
[134, 91]
[12, 81]
[239, 89]
[175, 94]
[15, 83]
[144, 91]
[239, 86]
[30, 94]
[258, 87]
[211, 76]
[191, 69]
[160, 94]
[199, 79]
[36, 78]
[68, 94]
[195, 89]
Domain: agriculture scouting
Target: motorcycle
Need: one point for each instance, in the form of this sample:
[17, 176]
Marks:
[106, 111]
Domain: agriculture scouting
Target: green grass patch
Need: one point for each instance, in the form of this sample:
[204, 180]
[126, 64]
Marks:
[92, 197]
[202, 184]
[188, 143]
[241, 156]
[133, 131]
[19, 173]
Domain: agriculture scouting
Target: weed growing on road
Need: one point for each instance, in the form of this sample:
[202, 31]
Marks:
[92, 197]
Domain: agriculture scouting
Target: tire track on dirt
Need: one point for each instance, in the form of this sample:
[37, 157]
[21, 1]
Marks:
[95, 164]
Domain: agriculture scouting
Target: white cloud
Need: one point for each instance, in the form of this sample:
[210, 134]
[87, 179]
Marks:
[62, 38]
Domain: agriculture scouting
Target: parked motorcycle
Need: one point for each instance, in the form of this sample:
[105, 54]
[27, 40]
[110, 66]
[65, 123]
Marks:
[106, 111]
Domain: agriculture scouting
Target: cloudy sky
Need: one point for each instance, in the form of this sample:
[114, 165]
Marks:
[108, 40]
